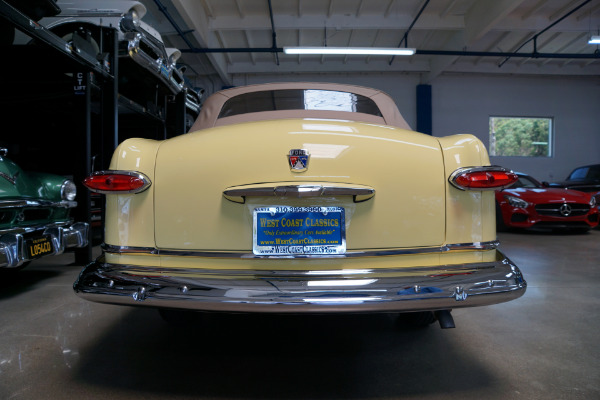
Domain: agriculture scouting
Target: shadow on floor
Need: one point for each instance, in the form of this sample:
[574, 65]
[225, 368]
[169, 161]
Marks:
[279, 356]
[550, 232]
[15, 282]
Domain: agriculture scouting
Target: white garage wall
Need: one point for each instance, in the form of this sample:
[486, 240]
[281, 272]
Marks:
[464, 103]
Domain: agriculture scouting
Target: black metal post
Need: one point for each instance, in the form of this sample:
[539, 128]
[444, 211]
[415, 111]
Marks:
[179, 111]
[82, 138]
[110, 111]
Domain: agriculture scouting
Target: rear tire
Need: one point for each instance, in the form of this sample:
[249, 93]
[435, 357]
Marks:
[177, 317]
[420, 319]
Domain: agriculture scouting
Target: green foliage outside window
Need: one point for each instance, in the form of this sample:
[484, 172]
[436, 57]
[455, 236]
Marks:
[525, 137]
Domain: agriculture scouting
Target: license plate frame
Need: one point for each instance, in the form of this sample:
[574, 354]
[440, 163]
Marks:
[39, 247]
[299, 231]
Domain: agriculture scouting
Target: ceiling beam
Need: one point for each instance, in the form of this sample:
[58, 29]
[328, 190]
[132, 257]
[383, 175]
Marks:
[395, 22]
[194, 14]
[389, 8]
[448, 8]
[359, 10]
[479, 20]
[568, 44]
[494, 45]
[439, 64]
[335, 21]
[250, 44]
[562, 11]
[239, 9]
[538, 6]
[540, 46]
[535, 37]
[484, 15]
[207, 9]
[223, 44]
[589, 12]
[375, 37]
[381, 66]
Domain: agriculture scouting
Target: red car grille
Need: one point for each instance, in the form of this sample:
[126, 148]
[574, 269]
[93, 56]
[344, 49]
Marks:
[562, 210]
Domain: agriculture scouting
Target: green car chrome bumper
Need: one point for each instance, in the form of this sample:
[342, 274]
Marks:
[15, 246]
[402, 289]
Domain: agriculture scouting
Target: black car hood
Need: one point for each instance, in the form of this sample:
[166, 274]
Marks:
[586, 185]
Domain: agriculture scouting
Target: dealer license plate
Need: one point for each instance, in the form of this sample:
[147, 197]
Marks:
[38, 247]
[284, 230]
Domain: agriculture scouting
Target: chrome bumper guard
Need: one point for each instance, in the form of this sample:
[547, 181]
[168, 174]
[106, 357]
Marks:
[402, 289]
[13, 251]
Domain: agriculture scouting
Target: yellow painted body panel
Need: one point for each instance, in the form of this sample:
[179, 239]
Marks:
[405, 169]
[310, 264]
[414, 205]
[470, 215]
[130, 217]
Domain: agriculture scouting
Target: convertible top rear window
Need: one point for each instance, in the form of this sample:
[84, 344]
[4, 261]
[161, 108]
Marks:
[298, 99]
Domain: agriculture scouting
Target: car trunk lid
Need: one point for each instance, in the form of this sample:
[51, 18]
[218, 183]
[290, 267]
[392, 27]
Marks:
[404, 169]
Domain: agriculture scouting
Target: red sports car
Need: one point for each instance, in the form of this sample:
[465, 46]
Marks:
[529, 204]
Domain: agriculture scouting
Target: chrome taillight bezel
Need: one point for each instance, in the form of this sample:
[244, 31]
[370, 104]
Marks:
[144, 178]
[487, 169]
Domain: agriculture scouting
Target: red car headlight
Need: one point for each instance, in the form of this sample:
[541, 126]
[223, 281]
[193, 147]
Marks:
[482, 178]
[516, 202]
[117, 182]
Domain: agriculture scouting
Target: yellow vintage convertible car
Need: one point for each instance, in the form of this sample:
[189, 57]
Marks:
[302, 197]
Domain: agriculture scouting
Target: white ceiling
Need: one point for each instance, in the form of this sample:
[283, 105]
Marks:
[499, 26]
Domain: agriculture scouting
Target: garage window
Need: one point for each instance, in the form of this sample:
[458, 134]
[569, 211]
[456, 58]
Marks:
[520, 136]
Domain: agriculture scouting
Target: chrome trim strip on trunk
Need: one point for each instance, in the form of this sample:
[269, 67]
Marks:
[478, 246]
[362, 290]
[299, 191]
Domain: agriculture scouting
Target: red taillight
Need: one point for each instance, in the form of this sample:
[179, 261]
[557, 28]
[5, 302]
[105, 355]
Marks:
[117, 182]
[483, 178]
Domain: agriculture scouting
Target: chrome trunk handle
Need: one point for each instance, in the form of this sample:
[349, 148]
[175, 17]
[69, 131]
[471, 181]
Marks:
[239, 194]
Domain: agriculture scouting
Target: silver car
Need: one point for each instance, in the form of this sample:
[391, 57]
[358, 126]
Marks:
[138, 41]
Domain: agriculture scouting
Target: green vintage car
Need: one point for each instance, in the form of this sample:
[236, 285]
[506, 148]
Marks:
[34, 215]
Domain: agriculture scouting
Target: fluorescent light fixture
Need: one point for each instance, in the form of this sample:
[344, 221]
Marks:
[367, 51]
[593, 40]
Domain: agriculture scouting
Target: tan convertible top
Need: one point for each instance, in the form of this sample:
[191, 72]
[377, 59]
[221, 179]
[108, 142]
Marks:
[212, 106]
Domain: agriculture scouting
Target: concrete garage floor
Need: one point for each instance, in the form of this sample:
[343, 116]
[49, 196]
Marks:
[544, 345]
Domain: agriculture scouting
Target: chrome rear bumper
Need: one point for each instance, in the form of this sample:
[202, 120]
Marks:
[402, 289]
[13, 251]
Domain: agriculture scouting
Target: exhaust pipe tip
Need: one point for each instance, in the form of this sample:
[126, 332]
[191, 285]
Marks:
[445, 319]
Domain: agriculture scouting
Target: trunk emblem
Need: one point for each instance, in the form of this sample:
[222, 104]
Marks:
[298, 159]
